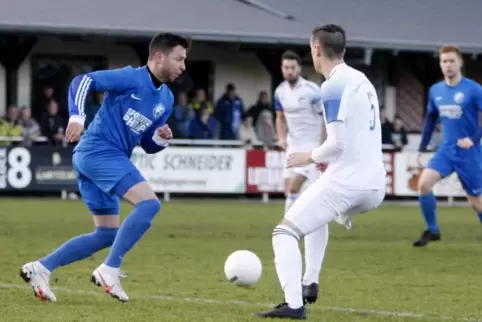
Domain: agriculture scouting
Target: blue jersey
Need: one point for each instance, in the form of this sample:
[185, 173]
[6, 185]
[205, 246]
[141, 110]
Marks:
[457, 107]
[132, 110]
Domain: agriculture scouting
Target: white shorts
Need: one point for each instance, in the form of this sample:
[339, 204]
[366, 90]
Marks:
[309, 172]
[325, 200]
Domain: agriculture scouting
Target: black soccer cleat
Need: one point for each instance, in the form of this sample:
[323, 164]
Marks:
[310, 293]
[283, 311]
[427, 237]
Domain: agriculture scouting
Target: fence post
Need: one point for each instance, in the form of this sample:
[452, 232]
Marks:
[265, 196]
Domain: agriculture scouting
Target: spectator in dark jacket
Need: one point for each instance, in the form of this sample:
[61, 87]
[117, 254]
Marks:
[203, 126]
[387, 128]
[229, 110]
[399, 134]
[52, 125]
[261, 105]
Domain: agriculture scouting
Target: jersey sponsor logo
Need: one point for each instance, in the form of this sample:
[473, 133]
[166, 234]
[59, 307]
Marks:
[137, 122]
[159, 109]
[459, 97]
[451, 111]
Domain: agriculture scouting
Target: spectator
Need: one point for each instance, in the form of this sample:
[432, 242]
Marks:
[228, 111]
[203, 126]
[201, 101]
[30, 127]
[183, 115]
[9, 125]
[43, 101]
[265, 128]
[261, 105]
[247, 132]
[52, 124]
[399, 133]
[387, 128]
[437, 137]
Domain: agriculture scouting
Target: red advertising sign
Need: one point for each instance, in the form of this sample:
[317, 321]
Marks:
[264, 171]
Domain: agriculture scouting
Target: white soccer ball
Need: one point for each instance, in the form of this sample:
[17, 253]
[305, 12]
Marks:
[243, 268]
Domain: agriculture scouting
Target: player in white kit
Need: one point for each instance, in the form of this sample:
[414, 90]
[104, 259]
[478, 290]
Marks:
[355, 179]
[299, 125]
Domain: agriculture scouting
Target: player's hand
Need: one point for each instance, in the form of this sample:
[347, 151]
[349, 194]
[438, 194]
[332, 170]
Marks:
[299, 159]
[164, 132]
[465, 143]
[73, 132]
[322, 166]
[282, 144]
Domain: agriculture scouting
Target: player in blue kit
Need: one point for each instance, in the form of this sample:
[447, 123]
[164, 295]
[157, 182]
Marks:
[136, 107]
[456, 102]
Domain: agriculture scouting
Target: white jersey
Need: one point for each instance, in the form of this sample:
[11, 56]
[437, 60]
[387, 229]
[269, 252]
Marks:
[349, 96]
[301, 106]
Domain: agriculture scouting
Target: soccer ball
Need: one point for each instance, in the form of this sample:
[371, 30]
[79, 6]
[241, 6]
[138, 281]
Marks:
[243, 268]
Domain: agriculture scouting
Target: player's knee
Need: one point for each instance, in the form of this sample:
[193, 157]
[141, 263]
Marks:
[285, 230]
[424, 187]
[148, 209]
[106, 236]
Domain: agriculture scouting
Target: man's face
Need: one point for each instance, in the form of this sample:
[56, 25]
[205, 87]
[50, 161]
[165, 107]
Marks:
[450, 64]
[316, 55]
[172, 64]
[200, 95]
[263, 98]
[182, 99]
[12, 113]
[290, 70]
[53, 108]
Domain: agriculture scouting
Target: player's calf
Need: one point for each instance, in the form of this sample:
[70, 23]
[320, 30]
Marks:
[476, 204]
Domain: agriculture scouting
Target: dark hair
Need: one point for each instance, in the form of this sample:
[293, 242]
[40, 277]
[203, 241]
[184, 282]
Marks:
[291, 55]
[332, 40]
[165, 42]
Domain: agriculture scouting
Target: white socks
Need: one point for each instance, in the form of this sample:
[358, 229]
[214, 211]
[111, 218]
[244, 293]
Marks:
[315, 247]
[287, 258]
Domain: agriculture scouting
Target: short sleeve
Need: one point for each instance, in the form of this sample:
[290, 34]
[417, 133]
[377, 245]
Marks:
[331, 94]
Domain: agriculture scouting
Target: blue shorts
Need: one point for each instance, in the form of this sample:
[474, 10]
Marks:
[103, 178]
[467, 168]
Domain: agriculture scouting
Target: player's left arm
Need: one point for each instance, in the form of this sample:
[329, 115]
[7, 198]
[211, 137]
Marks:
[478, 102]
[100, 81]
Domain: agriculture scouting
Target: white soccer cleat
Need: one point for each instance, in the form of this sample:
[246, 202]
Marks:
[109, 279]
[344, 220]
[38, 277]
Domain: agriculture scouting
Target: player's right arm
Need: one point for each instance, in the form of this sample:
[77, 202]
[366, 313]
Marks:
[280, 122]
[99, 81]
[429, 124]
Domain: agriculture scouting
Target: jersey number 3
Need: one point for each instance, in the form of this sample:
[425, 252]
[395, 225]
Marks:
[372, 109]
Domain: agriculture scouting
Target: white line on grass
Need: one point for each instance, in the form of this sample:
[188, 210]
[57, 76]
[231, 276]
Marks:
[229, 302]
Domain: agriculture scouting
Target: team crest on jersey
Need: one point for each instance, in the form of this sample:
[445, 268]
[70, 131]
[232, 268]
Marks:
[459, 97]
[158, 110]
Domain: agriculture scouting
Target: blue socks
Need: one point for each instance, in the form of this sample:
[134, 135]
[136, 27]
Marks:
[480, 216]
[428, 206]
[131, 230]
[79, 247]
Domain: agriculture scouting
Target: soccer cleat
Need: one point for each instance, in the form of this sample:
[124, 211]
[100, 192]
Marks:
[38, 277]
[310, 293]
[110, 282]
[427, 237]
[283, 311]
[344, 220]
